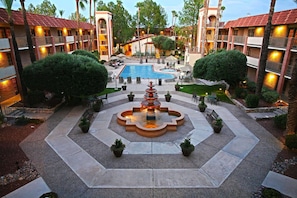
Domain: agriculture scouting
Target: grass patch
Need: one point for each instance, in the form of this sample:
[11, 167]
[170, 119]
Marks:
[107, 91]
[201, 90]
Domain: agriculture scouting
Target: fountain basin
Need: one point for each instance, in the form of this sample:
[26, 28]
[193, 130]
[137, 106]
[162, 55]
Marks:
[150, 130]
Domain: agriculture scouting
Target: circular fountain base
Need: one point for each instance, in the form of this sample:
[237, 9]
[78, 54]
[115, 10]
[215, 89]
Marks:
[149, 129]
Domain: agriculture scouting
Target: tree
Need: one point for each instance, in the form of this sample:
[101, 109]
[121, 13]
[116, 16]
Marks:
[28, 33]
[204, 26]
[223, 65]
[152, 16]
[71, 75]
[45, 8]
[189, 17]
[61, 12]
[291, 126]
[19, 67]
[163, 43]
[264, 50]
[219, 15]
[122, 26]
[79, 4]
[81, 17]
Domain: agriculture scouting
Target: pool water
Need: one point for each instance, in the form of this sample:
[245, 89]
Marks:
[143, 71]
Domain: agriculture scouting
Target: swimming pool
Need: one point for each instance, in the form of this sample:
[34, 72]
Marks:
[143, 71]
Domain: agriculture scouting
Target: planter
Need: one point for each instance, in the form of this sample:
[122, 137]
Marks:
[217, 129]
[85, 128]
[130, 98]
[124, 87]
[118, 153]
[187, 151]
[187, 147]
[177, 87]
[168, 98]
[202, 108]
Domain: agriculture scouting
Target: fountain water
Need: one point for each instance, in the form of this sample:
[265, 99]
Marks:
[150, 120]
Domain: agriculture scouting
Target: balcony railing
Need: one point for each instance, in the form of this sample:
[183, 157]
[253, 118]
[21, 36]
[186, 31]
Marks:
[274, 67]
[239, 39]
[289, 71]
[58, 39]
[255, 41]
[294, 43]
[253, 62]
[4, 43]
[22, 42]
[6, 72]
[278, 42]
[103, 31]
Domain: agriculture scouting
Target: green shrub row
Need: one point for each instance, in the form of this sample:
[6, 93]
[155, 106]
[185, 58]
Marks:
[240, 92]
[280, 121]
[252, 101]
[269, 96]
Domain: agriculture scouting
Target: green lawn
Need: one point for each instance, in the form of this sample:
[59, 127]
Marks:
[107, 91]
[203, 90]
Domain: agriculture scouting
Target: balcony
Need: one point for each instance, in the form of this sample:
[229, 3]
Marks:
[6, 72]
[59, 40]
[4, 44]
[278, 42]
[239, 39]
[289, 71]
[294, 43]
[255, 41]
[273, 67]
[252, 62]
[69, 39]
[103, 31]
[22, 42]
[223, 38]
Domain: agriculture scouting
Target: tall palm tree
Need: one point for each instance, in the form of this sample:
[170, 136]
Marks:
[19, 67]
[79, 4]
[204, 25]
[174, 16]
[264, 50]
[28, 33]
[292, 98]
[216, 36]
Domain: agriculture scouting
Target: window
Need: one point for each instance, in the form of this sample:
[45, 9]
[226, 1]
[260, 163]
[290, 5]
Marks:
[235, 32]
[251, 32]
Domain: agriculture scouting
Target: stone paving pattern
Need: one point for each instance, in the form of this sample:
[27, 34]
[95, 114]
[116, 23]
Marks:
[233, 163]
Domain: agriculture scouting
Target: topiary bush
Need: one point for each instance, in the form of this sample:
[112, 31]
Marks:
[270, 192]
[280, 121]
[270, 96]
[86, 53]
[291, 141]
[21, 121]
[251, 86]
[252, 101]
[240, 92]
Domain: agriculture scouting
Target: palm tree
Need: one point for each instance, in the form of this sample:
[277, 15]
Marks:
[28, 33]
[292, 98]
[219, 15]
[79, 4]
[204, 24]
[61, 12]
[174, 16]
[19, 67]
[264, 50]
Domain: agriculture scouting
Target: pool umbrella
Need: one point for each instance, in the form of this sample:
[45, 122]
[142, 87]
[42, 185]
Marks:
[121, 55]
[170, 59]
[113, 58]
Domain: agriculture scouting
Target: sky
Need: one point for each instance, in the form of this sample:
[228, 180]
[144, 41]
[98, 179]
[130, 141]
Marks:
[234, 8]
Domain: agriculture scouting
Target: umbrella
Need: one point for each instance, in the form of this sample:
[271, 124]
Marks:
[121, 55]
[170, 59]
[186, 68]
[113, 58]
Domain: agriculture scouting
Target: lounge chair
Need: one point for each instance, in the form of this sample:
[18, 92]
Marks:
[129, 80]
[121, 80]
[138, 80]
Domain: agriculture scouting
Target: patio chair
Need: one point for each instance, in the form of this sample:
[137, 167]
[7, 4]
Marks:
[129, 80]
[194, 97]
[138, 80]
[121, 80]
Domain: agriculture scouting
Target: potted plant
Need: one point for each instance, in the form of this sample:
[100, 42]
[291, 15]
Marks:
[187, 147]
[202, 106]
[130, 96]
[177, 87]
[97, 105]
[118, 147]
[167, 96]
[84, 125]
[124, 86]
[217, 125]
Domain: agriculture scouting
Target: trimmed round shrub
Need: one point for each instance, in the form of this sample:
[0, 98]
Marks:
[291, 141]
[240, 92]
[86, 53]
[270, 96]
[35, 97]
[270, 192]
[252, 101]
[280, 121]
[251, 86]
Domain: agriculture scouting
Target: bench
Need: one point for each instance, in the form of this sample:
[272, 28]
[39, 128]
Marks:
[213, 115]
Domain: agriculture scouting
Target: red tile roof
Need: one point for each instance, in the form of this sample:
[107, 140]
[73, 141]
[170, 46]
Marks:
[41, 20]
[279, 18]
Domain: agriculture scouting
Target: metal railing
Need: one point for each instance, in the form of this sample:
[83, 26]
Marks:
[278, 42]
[274, 67]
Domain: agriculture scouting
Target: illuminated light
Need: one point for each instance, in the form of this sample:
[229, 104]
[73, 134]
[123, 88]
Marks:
[279, 30]
[1, 56]
[39, 30]
[43, 49]
[275, 56]
[259, 31]
[65, 30]
[80, 31]
[4, 83]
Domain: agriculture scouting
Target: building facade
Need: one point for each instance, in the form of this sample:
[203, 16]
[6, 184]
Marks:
[50, 35]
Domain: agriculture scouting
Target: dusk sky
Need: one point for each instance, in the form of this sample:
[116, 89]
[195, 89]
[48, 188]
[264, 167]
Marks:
[234, 8]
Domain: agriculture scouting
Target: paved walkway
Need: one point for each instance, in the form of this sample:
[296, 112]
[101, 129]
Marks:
[233, 163]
